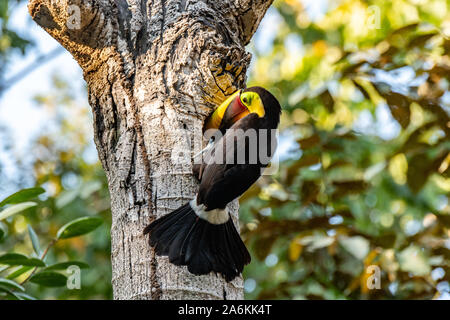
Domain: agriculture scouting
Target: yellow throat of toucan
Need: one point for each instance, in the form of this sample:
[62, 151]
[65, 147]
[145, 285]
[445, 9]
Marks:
[253, 102]
[241, 103]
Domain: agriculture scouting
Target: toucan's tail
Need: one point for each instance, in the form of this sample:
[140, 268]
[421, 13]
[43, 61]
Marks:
[202, 246]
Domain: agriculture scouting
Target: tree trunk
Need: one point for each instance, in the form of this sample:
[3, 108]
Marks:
[155, 69]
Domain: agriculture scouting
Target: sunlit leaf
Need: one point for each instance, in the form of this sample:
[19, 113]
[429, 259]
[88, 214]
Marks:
[295, 249]
[398, 168]
[16, 208]
[316, 241]
[413, 260]
[22, 196]
[18, 272]
[357, 246]
[79, 227]
[11, 284]
[25, 296]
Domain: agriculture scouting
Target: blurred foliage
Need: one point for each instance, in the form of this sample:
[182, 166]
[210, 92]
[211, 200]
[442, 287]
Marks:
[65, 164]
[10, 41]
[18, 270]
[365, 183]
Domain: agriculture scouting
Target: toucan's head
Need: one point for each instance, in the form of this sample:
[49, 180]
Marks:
[243, 102]
[260, 101]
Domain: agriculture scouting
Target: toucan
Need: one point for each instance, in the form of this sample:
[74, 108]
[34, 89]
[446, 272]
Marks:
[201, 234]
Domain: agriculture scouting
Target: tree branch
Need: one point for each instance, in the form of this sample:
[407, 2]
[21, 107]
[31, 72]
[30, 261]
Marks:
[40, 61]
[81, 26]
[251, 13]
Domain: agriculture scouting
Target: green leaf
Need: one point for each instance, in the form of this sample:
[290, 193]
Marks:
[22, 196]
[79, 227]
[10, 293]
[4, 268]
[24, 296]
[34, 240]
[3, 9]
[49, 279]
[65, 265]
[18, 272]
[10, 284]
[3, 231]
[17, 259]
[16, 208]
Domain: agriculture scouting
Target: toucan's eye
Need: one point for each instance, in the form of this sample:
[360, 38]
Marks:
[245, 100]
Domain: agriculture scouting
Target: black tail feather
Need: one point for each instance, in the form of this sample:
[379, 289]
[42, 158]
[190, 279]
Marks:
[203, 247]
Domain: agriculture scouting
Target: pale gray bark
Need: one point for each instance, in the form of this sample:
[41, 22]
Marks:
[155, 69]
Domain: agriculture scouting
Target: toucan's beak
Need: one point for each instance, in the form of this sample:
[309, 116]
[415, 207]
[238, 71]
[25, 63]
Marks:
[230, 111]
[234, 112]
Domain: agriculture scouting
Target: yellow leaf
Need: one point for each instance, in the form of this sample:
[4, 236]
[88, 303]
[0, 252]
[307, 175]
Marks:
[319, 48]
[295, 250]
[398, 167]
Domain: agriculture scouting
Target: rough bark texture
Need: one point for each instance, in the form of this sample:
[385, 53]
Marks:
[155, 69]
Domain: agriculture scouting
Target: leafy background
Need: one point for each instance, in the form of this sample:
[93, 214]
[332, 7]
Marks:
[363, 179]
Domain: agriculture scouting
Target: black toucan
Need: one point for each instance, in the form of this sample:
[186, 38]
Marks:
[201, 233]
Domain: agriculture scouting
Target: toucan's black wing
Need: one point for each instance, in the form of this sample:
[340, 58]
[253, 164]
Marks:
[223, 181]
